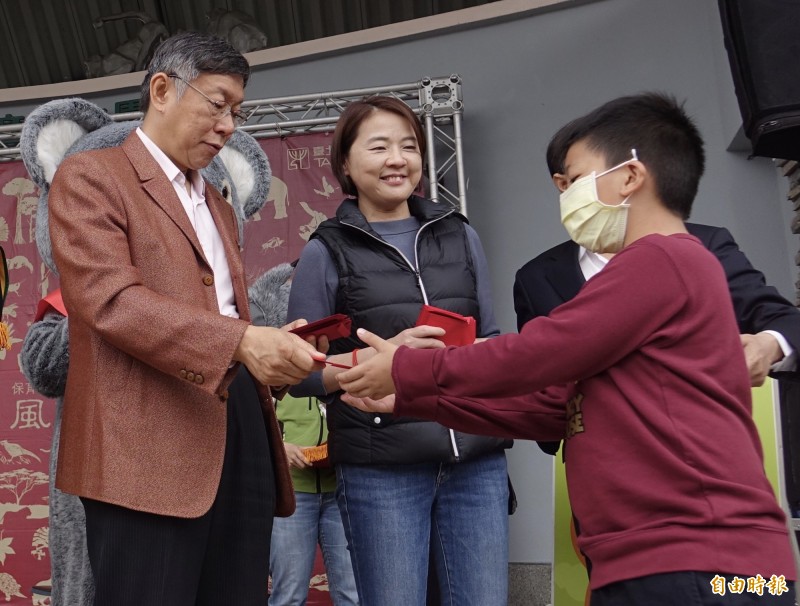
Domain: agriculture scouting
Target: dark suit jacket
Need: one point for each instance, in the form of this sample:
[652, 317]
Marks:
[555, 277]
[145, 404]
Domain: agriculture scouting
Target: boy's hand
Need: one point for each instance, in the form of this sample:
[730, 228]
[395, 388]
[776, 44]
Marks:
[295, 456]
[368, 404]
[373, 378]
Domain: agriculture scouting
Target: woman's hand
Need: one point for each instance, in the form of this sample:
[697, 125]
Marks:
[368, 404]
[419, 337]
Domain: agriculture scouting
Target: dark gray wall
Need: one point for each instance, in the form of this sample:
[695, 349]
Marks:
[525, 77]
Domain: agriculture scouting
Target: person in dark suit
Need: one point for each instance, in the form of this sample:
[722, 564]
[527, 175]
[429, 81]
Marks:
[556, 275]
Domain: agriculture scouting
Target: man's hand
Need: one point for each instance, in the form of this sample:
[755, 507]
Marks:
[368, 404]
[318, 343]
[277, 357]
[373, 378]
[295, 456]
[761, 351]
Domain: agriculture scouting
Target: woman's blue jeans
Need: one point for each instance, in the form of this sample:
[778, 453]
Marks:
[294, 544]
[396, 515]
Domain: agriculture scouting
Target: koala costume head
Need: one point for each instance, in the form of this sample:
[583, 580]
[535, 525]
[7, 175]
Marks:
[60, 128]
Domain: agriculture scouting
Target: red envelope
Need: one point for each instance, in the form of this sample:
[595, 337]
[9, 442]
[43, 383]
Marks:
[333, 327]
[460, 330]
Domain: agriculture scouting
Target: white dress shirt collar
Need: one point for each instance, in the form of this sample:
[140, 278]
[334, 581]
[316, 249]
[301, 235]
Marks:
[591, 263]
[194, 203]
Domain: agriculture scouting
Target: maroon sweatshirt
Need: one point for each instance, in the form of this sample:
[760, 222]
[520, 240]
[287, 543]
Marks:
[664, 464]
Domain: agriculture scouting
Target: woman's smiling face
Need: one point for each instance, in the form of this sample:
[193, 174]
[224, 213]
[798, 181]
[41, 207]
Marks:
[385, 165]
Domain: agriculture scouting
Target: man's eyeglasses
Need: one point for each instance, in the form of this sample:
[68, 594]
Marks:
[220, 109]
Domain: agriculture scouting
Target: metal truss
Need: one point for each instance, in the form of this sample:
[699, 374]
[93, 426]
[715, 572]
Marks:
[437, 101]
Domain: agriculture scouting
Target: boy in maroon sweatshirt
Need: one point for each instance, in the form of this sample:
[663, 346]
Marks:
[642, 373]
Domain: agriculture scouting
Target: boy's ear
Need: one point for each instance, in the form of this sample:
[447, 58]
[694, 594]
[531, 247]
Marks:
[635, 177]
[561, 182]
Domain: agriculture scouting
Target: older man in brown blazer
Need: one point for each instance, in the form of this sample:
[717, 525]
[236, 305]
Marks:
[171, 444]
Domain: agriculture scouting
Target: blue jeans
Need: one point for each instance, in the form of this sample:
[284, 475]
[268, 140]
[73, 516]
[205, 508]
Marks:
[294, 544]
[395, 516]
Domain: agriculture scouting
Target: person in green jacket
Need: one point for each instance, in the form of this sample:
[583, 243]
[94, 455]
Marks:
[316, 520]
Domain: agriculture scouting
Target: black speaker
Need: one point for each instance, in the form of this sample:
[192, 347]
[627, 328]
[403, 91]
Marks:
[762, 38]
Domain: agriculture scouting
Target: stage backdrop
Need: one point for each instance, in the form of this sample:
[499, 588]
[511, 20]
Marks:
[303, 194]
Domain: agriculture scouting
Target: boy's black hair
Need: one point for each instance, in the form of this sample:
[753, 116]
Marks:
[666, 140]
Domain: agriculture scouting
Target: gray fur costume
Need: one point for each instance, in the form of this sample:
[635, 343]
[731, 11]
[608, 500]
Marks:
[269, 296]
[52, 132]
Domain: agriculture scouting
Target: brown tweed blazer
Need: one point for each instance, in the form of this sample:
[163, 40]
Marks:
[144, 410]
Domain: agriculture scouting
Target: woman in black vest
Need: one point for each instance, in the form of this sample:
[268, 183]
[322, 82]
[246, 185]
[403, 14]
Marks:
[405, 487]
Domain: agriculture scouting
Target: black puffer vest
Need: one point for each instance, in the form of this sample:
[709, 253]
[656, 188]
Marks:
[383, 292]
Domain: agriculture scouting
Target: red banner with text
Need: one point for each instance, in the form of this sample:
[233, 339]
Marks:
[303, 194]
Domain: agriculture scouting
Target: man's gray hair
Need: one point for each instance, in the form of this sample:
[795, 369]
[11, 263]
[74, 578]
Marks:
[190, 54]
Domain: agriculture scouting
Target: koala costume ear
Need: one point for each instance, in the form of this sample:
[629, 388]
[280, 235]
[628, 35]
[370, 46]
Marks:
[62, 127]
[47, 134]
[241, 173]
[248, 166]
[51, 129]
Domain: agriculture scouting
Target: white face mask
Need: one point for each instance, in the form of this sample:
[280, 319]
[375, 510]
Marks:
[596, 226]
